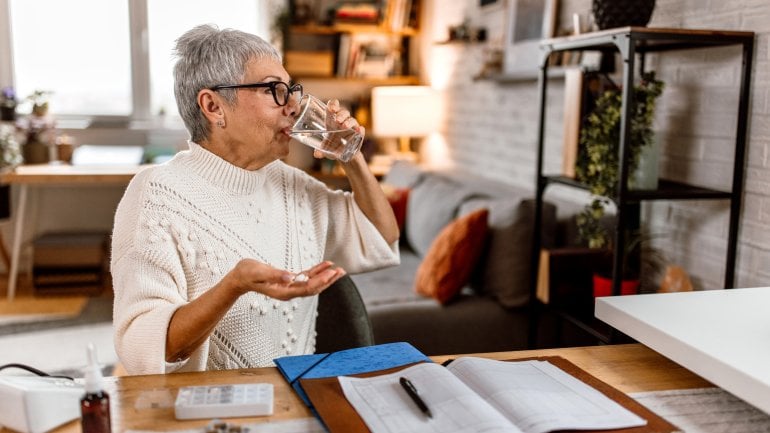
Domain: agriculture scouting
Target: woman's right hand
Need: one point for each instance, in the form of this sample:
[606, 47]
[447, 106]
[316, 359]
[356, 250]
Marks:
[250, 275]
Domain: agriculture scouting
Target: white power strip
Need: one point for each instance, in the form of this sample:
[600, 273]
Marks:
[224, 401]
[32, 404]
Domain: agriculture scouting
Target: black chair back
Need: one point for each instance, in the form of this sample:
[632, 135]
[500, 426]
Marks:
[342, 319]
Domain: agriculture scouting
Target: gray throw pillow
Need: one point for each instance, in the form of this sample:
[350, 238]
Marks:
[432, 204]
[403, 174]
[506, 266]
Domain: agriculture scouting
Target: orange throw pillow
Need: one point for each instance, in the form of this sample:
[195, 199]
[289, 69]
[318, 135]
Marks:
[452, 256]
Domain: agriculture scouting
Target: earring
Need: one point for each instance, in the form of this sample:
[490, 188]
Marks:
[221, 123]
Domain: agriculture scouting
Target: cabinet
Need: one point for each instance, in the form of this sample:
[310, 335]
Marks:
[632, 44]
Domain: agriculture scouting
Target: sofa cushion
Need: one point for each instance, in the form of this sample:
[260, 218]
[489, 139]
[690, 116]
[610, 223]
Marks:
[403, 174]
[506, 264]
[390, 285]
[469, 324]
[452, 257]
[432, 204]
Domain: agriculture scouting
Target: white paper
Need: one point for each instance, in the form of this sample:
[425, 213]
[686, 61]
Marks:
[705, 410]
[386, 408]
[477, 395]
[540, 397]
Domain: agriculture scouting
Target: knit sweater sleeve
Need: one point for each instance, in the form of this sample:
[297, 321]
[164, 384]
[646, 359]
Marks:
[149, 285]
[352, 241]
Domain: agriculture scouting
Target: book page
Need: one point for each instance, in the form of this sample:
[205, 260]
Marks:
[539, 397]
[385, 406]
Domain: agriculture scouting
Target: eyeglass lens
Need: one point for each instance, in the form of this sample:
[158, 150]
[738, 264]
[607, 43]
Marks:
[283, 92]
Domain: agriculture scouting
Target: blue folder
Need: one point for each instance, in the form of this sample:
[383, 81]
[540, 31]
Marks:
[346, 362]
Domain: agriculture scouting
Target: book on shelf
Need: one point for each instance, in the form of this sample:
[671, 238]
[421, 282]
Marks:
[573, 103]
[399, 14]
[358, 12]
[535, 395]
[369, 55]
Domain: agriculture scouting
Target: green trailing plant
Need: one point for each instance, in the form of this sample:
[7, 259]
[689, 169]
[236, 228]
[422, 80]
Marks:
[597, 163]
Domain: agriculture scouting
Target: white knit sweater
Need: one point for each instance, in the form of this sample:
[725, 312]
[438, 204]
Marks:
[183, 225]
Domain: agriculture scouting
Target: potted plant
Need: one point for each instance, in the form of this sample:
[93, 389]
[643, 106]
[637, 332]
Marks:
[7, 104]
[642, 262]
[39, 99]
[597, 163]
[10, 149]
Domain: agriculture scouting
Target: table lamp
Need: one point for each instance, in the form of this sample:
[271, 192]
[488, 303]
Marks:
[403, 112]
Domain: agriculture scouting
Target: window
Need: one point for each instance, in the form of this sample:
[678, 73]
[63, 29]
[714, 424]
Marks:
[168, 19]
[110, 57]
[85, 61]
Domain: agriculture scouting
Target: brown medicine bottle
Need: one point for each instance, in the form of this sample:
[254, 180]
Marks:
[95, 404]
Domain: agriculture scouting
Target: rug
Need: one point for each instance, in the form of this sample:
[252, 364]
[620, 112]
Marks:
[30, 312]
[28, 306]
[51, 332]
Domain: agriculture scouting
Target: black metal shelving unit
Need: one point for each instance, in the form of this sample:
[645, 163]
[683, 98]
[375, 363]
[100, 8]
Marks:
[632, 44]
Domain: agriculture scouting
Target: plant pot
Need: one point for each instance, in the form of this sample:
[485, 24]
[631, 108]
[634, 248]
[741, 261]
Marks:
[7, 113]
[646, 174]
[603, 286]
[35, 152]
[609, 14]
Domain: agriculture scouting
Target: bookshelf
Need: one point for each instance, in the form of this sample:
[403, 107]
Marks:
[632, 44]
[365, 42]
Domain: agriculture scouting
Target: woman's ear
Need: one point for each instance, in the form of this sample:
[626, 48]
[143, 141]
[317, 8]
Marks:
[211, 105]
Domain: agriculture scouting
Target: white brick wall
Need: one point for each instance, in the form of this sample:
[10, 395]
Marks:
[491, 129]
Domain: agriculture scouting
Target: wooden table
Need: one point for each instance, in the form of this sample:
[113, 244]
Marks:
[629, 368]
[43, 175]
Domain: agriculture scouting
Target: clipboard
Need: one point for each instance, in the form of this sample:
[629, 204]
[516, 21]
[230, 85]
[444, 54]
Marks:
[348, 362]
[340, 417]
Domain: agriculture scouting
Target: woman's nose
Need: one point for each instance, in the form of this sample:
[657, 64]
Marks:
[292, 108]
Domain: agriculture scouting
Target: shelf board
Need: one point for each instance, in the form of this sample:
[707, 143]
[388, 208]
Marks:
[397, 80]
[523, 76]
[351, 28]
[667, 190]
[651, 39]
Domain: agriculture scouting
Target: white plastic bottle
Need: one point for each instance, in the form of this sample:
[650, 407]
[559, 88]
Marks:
[95, 404]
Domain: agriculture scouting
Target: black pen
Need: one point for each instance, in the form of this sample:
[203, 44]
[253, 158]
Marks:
[412, 391]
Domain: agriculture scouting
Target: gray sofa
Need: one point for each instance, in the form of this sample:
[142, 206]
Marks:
[491, 313]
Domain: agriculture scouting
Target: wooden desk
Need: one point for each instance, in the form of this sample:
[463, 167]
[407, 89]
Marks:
[44, 175]
[629, 368]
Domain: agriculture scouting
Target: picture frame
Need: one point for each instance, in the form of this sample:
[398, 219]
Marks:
[528, 22]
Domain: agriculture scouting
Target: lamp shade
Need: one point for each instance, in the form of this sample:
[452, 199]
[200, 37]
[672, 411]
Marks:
[405, 111]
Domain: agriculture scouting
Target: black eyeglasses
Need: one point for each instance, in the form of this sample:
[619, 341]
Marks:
[281, 91]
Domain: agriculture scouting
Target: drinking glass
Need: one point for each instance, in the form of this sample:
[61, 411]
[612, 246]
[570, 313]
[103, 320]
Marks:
[316, 127]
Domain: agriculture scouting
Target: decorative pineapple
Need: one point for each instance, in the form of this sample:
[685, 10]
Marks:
[609, 14]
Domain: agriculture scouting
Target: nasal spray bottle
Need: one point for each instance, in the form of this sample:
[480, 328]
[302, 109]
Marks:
[95, 404]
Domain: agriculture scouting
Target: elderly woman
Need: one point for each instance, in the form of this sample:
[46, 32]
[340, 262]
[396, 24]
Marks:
[206, 248]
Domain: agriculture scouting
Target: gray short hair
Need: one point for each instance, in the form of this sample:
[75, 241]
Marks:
[207, 56]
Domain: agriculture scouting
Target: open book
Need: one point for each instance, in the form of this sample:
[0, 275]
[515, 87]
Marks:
[481, 395]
